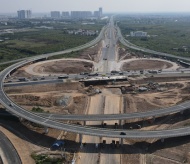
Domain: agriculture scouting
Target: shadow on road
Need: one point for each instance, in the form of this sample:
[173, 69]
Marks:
[39, 138]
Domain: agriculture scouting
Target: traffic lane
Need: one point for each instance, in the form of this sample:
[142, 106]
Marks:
[32, 83]
[8, 149]
[124, 116]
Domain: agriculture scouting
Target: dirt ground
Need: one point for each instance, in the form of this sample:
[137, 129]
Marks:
[49, 100]
[92, 53]
[20, 73]
[123, 54]
[146, 65]
[66, 67]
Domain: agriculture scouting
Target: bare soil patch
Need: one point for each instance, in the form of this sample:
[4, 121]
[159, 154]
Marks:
[20, 73]
[145, 65]
[92, 53]
[66, 67]
[52, 99]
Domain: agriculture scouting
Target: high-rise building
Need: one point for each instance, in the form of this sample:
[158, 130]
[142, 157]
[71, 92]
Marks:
[81, 14]
[55, 14]
[24, 14]
[96, 13]
[100, 11]
[28, 13]
[65, 14]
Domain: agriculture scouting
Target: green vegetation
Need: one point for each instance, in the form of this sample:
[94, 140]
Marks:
[169, 34]
[33, 40]
[37, 109]
[44, 159]
[30, 43]
[2, 67]
[73, 54]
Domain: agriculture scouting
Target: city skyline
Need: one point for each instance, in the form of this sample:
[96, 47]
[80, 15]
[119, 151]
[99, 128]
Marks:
[117, 6]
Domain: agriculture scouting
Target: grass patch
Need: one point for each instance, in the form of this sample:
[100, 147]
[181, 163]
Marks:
[32, 43]
[73, 54]
[45, 159]
[37, 109]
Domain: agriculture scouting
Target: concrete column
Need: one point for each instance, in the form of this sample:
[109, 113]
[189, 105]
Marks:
[100, 139]
[181, 112]
[84, 123]
[80, 138]
[121, 141]
[162, 140]
[46, 130]
[143, 123]
[21, 119]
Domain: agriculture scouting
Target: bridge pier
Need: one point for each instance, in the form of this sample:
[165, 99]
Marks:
[162, 140]
[100, 139]
[181, 112]
[153, 119]
[143, 122]
[84, 123]
[46, 130]
[121, 140]
[21, 119]
[120, 123]
[80, 138]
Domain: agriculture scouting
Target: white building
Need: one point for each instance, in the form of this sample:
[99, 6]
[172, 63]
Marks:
[24, 14]
[81, 14]
[100, 11]
[65, 14]
[138, 34]
[55, 14]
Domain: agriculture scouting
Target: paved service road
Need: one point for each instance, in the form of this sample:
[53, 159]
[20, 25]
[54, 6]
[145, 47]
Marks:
[7, 151]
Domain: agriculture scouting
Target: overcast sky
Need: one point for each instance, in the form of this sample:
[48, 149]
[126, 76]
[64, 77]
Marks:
[10, 6]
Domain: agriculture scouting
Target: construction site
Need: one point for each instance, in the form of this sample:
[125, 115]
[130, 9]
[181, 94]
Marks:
[104, 79]
[138, 94]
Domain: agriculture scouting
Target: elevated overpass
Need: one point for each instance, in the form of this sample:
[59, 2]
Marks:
[48, 122]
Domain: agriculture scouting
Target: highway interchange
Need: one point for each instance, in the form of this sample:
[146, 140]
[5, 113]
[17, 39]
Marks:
[86, 130]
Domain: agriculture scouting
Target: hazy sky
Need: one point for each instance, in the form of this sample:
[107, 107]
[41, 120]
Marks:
[91, 5]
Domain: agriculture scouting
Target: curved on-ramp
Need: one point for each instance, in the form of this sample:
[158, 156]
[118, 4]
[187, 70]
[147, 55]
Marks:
[47, 122]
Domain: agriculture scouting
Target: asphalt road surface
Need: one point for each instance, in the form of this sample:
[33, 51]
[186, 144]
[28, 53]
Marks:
[10, 154]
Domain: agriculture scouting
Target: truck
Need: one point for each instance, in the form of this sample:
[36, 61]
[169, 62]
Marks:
[63, 77]
[153, 71]
[22, 79]
[93, 74]
[141, 71]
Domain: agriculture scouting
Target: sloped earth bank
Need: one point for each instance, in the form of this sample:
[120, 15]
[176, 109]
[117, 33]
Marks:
[65, 67]
[143, 64]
